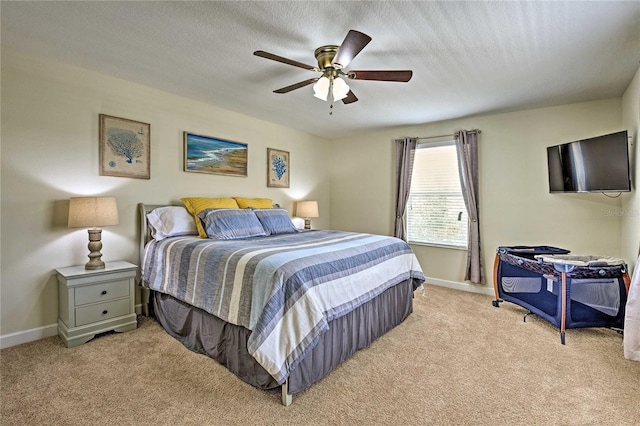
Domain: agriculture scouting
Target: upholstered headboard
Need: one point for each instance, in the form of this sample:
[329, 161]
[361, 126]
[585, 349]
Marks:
[145, 230]
[145, 237]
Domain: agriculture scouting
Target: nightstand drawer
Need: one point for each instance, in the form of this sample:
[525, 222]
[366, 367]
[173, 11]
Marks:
[101, 292]
[102, 311]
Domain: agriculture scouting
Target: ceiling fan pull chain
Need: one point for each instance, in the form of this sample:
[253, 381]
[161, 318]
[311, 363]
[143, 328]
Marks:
[330, 94]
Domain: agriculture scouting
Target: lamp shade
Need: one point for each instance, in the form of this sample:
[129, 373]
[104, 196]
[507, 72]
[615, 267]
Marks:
[92, 212]
[307, 209]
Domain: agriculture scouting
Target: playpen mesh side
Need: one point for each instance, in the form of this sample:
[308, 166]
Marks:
[521, 284]
[602, 295]
[527, 286]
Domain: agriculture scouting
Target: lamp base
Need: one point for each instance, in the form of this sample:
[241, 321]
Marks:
[94, 264]
[307, 223]
[95, 245]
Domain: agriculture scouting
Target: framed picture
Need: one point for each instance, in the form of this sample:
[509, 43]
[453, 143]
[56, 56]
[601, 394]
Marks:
[278, 168]
[124, 147]
[204, 154]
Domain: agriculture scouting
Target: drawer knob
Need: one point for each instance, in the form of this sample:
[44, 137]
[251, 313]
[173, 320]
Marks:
[104, 292]
[104, 312]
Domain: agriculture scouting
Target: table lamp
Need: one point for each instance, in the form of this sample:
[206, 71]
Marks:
[92, 213]
[307, 210]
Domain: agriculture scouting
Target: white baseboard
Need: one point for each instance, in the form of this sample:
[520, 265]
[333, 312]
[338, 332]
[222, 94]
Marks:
[21, 337]
[471, 288]
[34, 334]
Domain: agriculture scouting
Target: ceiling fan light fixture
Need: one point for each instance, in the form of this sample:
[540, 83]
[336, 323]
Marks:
[332, 61]
[340, 89]
[321, 88]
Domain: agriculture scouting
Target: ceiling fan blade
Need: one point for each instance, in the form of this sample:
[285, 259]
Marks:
[287, 61]
[296, 86]
[351, 98]
[397, 75]
[353, 43]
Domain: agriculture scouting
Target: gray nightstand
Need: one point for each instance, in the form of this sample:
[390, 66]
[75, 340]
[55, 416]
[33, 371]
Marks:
[95, 301]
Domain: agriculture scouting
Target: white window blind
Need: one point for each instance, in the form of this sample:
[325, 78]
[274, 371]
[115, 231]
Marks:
[436, 213]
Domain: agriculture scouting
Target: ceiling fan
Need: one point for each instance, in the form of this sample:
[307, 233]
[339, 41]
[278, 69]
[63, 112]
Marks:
[332, 61]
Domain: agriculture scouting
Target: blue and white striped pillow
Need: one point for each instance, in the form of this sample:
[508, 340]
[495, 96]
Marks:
[275, 221]
[231, 224]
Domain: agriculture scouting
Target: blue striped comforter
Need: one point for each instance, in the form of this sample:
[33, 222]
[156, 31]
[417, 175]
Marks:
[284, 288]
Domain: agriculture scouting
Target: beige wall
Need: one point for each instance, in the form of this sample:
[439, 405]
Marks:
[630, 212]
[50, 153]
[516, 207]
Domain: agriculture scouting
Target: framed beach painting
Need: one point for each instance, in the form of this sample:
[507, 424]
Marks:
[205, 154]
[278, 168]
[124, 147]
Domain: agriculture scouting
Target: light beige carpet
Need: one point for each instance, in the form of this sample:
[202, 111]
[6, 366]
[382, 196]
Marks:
[455, 360]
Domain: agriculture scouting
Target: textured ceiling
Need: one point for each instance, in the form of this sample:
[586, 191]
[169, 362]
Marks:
[468, 58]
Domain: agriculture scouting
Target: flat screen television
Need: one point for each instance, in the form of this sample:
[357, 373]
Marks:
[599, 164]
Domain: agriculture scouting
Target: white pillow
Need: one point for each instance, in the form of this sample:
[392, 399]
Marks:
[171, 221]
[298, 222]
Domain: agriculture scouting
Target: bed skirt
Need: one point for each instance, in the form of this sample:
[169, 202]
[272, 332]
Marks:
[227, 343]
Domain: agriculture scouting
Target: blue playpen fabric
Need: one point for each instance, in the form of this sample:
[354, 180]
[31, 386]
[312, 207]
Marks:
[599, 293]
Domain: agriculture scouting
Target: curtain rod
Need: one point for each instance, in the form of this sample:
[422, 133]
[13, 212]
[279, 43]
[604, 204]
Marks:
[447, 136]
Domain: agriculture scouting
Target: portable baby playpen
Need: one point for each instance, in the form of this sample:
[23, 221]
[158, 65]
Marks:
[568, 291]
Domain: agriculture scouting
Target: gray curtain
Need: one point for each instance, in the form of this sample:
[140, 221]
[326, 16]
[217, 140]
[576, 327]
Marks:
[405, 154]
[467, 151]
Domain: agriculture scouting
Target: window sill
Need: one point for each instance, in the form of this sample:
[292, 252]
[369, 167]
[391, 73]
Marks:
[444, 246]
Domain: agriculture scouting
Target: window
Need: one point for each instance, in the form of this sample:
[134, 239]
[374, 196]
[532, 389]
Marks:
[436, 213]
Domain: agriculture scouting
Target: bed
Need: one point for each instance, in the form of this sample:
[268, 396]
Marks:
[278, 309]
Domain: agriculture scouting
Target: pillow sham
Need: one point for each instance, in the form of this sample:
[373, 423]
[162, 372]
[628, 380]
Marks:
[171, 221]
[256, 203]
[231, 224]
[197, 204]
[275, 221]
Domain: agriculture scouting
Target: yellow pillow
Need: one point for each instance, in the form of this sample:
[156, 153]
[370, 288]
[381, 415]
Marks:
[197, 204]
[256, 203]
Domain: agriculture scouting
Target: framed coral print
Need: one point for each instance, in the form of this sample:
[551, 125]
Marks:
[124, 147]
[278, 168]
[204, 154]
